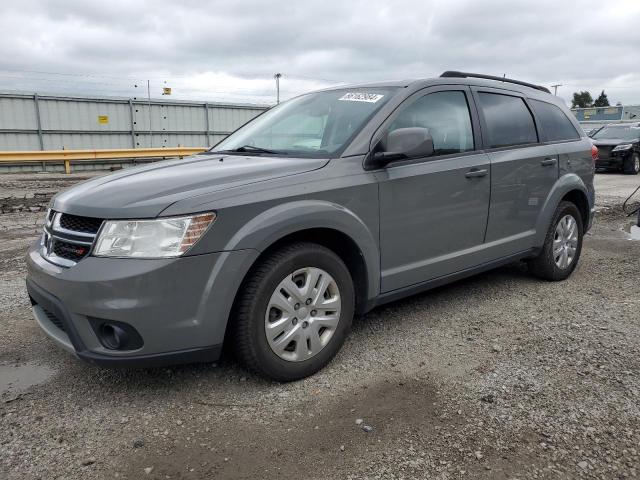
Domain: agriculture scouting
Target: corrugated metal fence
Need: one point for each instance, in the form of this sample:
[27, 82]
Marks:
[47, 122]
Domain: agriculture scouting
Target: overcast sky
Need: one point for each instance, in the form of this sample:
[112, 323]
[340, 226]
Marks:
[229, 50]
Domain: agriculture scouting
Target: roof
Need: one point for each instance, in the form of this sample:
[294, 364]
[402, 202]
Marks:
[455, 78]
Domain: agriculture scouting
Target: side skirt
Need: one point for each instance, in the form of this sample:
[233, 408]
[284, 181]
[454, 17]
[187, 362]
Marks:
[400, 293]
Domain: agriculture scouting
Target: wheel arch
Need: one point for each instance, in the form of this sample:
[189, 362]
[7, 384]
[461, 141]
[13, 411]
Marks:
[339, 243]
[569, 187]
[579, 199]
[324, 223]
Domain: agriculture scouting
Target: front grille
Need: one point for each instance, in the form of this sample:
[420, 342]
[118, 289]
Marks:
[68, 238]
[70, 251]
[53, 319]
[80, 224]
[604, 153]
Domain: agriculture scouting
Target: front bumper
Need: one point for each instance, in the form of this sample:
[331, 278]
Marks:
[180, 307]
[614, 160]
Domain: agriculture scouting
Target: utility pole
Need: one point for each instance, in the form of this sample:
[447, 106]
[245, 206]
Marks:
[277, 77]
[555, 88]
[149, 102]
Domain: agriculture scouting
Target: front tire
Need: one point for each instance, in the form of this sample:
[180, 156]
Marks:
[293, 312]
[562, 246]
[632, 165]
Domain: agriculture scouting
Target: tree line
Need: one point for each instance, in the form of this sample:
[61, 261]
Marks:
[584, 100]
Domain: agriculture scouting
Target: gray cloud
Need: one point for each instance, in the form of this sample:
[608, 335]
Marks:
[230, 49]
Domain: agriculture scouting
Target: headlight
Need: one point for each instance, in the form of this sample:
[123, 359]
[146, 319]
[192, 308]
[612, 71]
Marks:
[159, 238]
[624, 146]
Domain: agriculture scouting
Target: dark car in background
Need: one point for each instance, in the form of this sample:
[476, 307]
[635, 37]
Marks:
[618, 147]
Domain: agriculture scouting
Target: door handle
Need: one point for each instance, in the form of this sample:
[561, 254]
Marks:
[476, 173]
[548, 161]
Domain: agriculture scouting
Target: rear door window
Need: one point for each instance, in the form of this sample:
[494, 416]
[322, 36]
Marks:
[555, 123]
[509, 121]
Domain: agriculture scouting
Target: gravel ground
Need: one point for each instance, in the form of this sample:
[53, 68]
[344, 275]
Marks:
[497, 376]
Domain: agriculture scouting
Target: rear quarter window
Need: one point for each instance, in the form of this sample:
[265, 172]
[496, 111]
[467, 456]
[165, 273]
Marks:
[509, 121]
[554, 122]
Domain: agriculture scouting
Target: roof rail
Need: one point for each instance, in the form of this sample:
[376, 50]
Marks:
[454, 74]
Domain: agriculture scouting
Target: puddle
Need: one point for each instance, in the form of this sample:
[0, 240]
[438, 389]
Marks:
[631, 230]
[18, 378]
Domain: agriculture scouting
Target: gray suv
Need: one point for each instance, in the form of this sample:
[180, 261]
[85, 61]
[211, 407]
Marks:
[320, 209]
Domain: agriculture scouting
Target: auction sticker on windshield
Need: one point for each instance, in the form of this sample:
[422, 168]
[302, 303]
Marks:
[361, 97]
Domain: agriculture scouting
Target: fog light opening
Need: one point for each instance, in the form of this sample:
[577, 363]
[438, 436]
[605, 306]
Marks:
[113, 337]
[116, 335]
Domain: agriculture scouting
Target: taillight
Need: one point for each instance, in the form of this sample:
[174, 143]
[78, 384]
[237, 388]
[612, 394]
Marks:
[594, 153]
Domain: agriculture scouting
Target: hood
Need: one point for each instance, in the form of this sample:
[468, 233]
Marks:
[144, 192]
[610, 142]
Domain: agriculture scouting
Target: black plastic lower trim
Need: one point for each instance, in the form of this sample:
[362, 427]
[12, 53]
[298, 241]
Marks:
[394, 295]
[194, 355]
[55, 306]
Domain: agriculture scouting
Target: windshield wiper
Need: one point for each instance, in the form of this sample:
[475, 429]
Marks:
[251, 148]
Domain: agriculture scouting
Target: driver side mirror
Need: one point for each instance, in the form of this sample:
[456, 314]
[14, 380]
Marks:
[402, 143]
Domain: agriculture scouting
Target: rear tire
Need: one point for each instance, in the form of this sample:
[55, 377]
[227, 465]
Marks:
[562, 246]
[303, 292]
[632, 164]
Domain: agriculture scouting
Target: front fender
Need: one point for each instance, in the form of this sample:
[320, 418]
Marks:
[564, 185]
[284, 219]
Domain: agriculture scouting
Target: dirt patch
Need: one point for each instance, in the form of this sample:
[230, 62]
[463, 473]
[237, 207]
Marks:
[308, 433]
[32, 193]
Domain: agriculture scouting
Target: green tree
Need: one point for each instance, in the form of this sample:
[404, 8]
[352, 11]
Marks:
[582, 100]
[602, 100]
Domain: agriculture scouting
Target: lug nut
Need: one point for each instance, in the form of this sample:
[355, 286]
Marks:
[314, 313]
[294, 321]
[296, 306]
[308, 301]
[305, 324]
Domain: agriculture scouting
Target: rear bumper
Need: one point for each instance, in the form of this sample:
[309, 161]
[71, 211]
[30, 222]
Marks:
[179, 307]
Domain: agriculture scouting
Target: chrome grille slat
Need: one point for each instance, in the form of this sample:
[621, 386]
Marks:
[60, 230]
[67, 236]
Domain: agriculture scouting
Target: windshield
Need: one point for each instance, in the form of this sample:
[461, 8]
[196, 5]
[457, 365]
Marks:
[318, 124]
[619, 132]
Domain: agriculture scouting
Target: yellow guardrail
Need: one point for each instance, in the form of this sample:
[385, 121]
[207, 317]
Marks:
[67, 156]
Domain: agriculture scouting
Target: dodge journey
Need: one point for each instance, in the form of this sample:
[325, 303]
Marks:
[321, 208]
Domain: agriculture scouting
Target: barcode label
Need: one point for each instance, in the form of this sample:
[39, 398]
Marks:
[361, 97]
